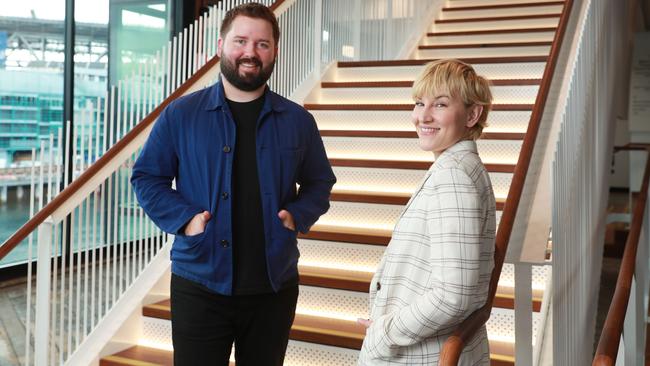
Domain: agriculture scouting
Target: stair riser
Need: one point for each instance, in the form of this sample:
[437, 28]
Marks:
[365, 215]
[491, 151]
[501, 12]
[522, 70]
[519, 94]
[400, 180]
[342, 305]
[498, 121]
[157, 332]
[489, 38]
[495, 24]
[482, 52]
[300, 353]
[462, 3]
[366, 257]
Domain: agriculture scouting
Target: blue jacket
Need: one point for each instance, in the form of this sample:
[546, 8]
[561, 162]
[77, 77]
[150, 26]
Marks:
[193, 141]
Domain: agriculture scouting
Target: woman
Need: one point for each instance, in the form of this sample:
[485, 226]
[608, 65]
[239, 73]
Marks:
[436, 269]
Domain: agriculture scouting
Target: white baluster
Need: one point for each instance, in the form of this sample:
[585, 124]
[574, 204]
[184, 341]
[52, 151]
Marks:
[43, 293]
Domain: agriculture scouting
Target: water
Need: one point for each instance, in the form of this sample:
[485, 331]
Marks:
[13, 214]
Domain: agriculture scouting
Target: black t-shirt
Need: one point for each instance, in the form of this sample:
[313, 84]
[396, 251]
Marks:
[250, 275]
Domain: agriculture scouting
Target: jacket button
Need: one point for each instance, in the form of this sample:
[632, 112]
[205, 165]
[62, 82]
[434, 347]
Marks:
[378, 286]
[225, 243]
[225, 195]
[226, 149]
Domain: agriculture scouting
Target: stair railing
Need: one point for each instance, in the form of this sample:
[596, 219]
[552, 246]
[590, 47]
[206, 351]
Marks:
[624, 330]
[453, 347]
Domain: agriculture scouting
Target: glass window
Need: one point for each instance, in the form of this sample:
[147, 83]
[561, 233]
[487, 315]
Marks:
[139, 28]
[31, 79]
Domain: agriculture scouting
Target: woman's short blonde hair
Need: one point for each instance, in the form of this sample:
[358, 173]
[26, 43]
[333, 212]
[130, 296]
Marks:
[458, 80]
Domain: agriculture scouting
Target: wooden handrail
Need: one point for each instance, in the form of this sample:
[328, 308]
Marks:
[97, 166]
[454, 345]
[610, 337]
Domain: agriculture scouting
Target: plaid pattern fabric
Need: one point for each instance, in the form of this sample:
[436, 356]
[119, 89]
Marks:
[436, 269]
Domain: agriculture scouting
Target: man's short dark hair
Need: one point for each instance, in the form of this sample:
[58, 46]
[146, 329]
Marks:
[251, 10]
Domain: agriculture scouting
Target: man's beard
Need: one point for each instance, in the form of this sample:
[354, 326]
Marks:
[247, 82]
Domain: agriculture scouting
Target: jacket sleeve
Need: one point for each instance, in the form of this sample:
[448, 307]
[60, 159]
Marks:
[453, 220]
[316, 178]
[152, 176]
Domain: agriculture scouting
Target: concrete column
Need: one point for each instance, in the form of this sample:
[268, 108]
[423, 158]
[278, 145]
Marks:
[3, 194]
[20, 192]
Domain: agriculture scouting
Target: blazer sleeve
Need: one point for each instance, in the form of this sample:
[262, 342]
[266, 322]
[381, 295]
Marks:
[152, 176]
[453, 222]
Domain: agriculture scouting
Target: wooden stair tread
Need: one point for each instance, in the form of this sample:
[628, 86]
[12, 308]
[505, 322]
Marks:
[409, 83]
[499, 18]
[351, 280]
[408, 164]
[413, 134]
[502, 6]
[348, 234]
[400, 107]
[141, 356]
[337, 333]
[492, 31]
[389, 198]
[470, 60]
[485, 45]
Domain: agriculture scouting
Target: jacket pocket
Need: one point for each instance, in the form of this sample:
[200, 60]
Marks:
[184, 242]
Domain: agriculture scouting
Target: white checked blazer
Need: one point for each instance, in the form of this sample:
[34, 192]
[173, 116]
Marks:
[436, 269]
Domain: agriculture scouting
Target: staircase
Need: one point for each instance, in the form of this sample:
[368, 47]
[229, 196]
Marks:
[363, 112]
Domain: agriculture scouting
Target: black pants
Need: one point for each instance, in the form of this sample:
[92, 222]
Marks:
[205, 324]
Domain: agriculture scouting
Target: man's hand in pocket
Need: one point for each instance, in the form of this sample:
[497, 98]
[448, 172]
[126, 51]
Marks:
[197, 225]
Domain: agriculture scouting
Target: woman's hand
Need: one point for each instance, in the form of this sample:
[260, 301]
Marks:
[365, 322]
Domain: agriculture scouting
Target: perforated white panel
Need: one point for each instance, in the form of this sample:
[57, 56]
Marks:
[310, 354]
[501, 184]
[508, 121]
[501, 24]
[524, 70]
[364, 120]
[399, 180]
[157, 333]
[491, 151]
[501, 325]
[498, 121]
[362, 215]
[340, 304]
[486, 13]
[456, 3]
[539, 276]
[372, 180]
[489, 38]
[366, 215]
[340, 255]
[510, 94]
[483, 52]
[530, 70]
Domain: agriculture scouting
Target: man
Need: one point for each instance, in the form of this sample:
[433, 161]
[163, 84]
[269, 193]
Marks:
[236, 150]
